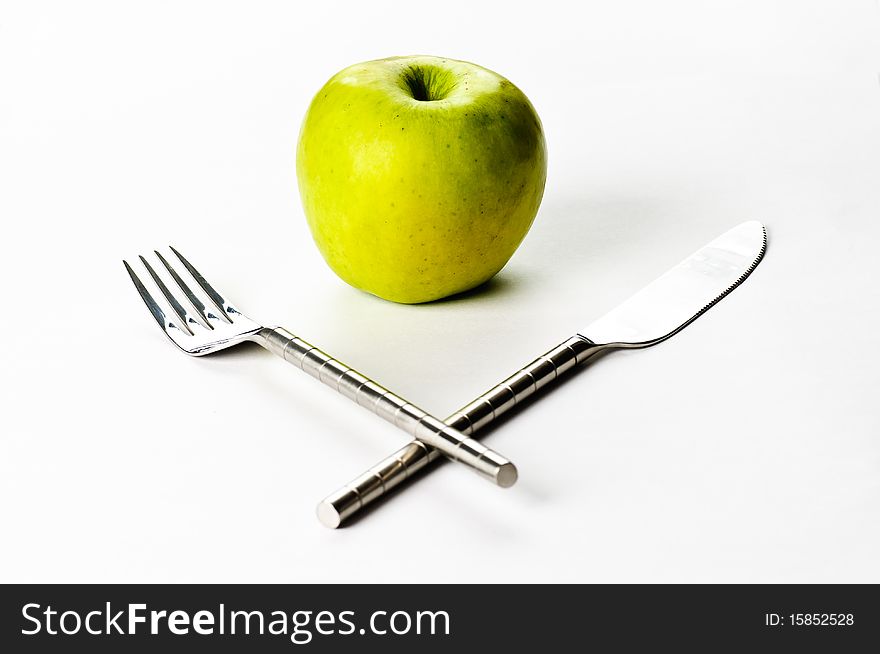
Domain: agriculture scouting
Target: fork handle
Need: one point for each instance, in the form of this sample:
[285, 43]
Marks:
[391, 471]
[378, 399]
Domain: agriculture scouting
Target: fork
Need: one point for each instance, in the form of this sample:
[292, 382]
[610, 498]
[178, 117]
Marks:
[216, 324]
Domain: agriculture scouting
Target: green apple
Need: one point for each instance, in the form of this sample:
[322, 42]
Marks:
[420, 176]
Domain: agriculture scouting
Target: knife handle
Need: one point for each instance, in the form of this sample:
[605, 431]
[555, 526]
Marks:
[378, 399]
[365, 489]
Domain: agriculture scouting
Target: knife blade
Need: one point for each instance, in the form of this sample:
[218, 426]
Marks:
[655, 313]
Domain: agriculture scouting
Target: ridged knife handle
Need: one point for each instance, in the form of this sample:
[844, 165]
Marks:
[391, 471]
[378, 399]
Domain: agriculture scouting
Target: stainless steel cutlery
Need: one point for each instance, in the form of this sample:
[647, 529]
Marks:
[214, 324]
[660, 310]
[657, 312]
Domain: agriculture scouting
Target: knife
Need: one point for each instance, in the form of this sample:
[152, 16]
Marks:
[658, 311]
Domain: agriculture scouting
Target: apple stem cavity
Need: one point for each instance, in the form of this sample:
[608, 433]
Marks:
[427, 83]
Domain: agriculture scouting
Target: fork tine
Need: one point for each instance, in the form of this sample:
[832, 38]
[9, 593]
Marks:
[154, 308]
[216, 298]
[194, 300]
[175, 305]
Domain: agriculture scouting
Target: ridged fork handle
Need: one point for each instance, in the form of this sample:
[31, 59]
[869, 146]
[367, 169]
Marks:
[378, 399]
[375, 482]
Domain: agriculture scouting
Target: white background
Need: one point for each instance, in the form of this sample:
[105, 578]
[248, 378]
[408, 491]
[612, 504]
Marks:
[745, 449]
